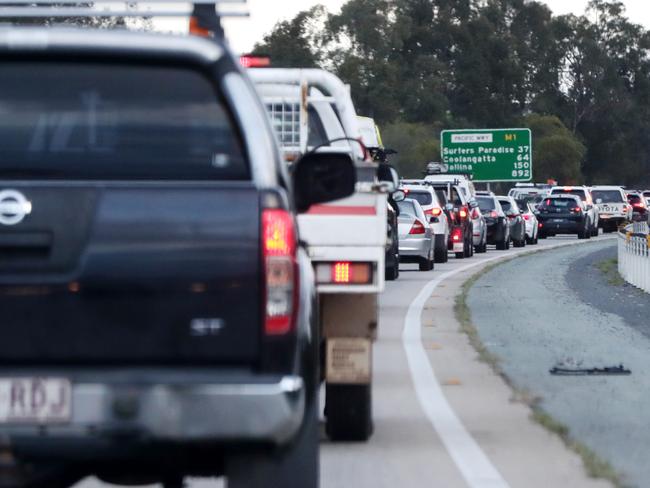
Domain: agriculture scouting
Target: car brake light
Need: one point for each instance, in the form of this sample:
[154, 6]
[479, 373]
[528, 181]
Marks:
[494, 214]
[540, 225]
[463, 213]
[436, 212]
[418, 228]
[279, 254]
[526, 217]
[475, 214]
[344, 273]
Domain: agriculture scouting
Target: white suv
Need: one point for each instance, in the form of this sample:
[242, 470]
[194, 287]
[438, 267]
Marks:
[428, 200]
[588, 206]
[613, 207]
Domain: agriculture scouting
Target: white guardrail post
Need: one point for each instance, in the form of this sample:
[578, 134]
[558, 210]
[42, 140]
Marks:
[634, 255]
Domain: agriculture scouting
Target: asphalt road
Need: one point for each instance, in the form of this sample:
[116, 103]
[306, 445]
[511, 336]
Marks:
[559, 307]
[442, 418]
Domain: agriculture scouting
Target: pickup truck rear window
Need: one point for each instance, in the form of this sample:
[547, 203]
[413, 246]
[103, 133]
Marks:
[608, 196]
[113, 121]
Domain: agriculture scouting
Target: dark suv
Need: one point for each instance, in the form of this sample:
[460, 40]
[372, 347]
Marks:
[498, 227]
[157, 307]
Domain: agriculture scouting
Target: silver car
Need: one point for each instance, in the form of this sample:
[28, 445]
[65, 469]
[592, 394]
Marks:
[479, 228]
[416, 237]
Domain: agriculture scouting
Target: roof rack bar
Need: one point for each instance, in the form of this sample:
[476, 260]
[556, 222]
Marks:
[38, 12]
[91, 3]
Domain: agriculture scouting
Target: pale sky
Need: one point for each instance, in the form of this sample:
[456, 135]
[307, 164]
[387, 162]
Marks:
[243, 33]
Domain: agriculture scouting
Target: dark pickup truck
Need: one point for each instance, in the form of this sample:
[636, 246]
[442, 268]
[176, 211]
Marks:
[157, 309]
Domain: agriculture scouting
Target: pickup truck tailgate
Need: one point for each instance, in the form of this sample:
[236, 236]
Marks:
[132, 273]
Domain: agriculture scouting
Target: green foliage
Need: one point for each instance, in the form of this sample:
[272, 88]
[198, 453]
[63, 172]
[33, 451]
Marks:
[557, 153]
[416, 144]
[488, 64]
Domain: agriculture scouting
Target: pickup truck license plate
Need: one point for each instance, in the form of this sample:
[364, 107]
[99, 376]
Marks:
[35, 400]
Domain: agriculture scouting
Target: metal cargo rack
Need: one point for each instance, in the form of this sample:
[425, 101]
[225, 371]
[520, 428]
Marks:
[111, 8]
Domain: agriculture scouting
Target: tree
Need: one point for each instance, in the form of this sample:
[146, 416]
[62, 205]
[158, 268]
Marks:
[296, 43]
[557, 153]
[416, 144]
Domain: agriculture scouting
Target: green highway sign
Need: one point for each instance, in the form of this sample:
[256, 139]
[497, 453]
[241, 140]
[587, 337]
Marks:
[489, 154]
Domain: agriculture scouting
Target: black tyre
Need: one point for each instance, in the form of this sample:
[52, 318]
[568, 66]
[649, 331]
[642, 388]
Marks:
[440, 254]
[594, 232]
[348, 412]
[502, 245]
[469, 249]
[296, 466]
[392, 270]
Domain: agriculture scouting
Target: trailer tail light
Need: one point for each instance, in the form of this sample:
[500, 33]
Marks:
[251, 61]
[279, 255]
[417, 229]
[457, 235]
[344, 273]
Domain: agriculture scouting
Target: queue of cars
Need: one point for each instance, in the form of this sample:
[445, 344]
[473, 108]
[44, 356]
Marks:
[462, 221]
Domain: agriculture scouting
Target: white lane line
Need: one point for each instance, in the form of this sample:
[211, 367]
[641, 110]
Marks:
[471, 461]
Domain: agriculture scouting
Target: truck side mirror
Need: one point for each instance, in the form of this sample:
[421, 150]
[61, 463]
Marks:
[323, 177]
[387, 174]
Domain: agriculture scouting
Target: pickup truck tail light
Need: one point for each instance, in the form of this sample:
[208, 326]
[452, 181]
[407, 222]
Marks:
[344, 273]
[281, 287]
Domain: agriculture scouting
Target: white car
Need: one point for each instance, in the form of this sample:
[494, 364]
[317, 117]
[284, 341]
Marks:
[531, 223]
[613, 207]
[437, 218]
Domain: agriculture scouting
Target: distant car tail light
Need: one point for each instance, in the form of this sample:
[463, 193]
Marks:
[526, 217]
[457, 235]
[462, 213]
[576, 210]
[475, 214]
[436, 211]
[417, 228]
[494, 214]
[344, 273]
[279, 254]
[540, 225]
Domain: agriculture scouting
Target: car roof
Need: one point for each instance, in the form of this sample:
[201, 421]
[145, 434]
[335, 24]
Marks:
[109, 43]
[606, 187]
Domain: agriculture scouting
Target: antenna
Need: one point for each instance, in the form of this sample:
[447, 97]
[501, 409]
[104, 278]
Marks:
[113, 8]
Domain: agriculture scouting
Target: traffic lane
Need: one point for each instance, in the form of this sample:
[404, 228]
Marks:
[539, 319]
[405, 449]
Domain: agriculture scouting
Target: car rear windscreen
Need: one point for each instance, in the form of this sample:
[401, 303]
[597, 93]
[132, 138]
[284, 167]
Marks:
[577, 192]
[486, 204]
[406, 207]
[607, 196]
[505, 205]
[634, 198]
[112, 121]
[422, 197]
[559, 203]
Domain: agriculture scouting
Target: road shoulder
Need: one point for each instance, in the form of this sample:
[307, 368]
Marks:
[523, 452]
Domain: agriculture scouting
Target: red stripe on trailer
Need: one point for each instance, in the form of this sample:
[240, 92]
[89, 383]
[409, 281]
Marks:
[341, 210]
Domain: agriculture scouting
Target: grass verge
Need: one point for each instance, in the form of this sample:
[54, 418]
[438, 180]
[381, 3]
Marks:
[594, 466]
[609, 268]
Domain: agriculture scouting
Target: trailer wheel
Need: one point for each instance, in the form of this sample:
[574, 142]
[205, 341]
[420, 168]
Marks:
[348, 411]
